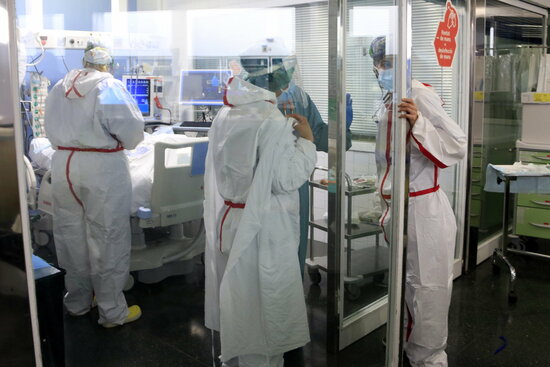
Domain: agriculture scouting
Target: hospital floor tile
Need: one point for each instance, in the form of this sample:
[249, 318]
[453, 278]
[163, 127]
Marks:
[484, 330]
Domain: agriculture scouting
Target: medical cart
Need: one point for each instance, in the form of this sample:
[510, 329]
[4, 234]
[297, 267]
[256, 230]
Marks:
[522, 183]
[360, 263]
[532, 207]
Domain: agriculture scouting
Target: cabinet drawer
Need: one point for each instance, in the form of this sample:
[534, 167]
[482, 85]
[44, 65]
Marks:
[534, 157]
[476, 161]
[475, 206]
[533, 222]
[534, 200]
[476, 175]
[475, 220]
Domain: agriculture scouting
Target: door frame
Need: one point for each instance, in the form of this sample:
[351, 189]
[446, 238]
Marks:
[340, 332]
[13, 81]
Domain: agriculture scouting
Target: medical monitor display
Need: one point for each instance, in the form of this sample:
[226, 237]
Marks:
[203, 87]
[140, 89]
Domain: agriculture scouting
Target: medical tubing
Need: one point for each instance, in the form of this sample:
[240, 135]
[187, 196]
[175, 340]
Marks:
[169, 112]
[37, 60]
[160, 107]
[64, 63]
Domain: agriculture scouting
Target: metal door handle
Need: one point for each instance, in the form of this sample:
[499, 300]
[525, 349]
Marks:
[546, 203]
[541, 225]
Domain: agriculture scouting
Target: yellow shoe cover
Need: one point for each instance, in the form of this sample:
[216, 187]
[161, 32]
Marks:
[134, 313]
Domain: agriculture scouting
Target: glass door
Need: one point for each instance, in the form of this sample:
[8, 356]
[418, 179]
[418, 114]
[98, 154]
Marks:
[367, 175]
[509, 60]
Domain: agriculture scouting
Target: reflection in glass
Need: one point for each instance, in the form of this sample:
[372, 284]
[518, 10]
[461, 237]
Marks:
[369, 82]
[507, 65]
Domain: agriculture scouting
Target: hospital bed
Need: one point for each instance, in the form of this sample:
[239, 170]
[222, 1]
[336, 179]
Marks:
[167, 204]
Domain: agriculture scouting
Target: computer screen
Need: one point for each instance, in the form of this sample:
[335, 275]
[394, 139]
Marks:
[203, 87]
[140, 89]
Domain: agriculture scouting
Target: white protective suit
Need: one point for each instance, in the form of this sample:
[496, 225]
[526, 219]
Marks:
[254, 167]
[437, 142]
[89, 119]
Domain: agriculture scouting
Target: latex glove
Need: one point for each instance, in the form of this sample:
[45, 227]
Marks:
[302, 126]
[349, 110]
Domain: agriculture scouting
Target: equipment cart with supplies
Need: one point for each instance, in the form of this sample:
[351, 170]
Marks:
[518, 179]
[362, 263]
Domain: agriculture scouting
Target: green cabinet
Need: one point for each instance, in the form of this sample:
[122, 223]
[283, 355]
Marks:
[530, 156]
[541, 201]
[533, 222]
[533, 210]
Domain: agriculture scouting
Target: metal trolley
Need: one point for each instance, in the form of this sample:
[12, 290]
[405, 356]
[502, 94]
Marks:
[361, 263]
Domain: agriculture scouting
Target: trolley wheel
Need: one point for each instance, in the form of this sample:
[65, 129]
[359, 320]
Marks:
[314, 275]
[352, 292]
[129, 283]
[512, 297]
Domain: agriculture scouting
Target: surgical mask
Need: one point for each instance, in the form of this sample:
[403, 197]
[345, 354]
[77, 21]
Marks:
[279, 79]
[385, 79]
[286, 94]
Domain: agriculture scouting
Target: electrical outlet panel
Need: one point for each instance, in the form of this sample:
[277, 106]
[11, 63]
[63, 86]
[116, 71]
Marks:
[79, 39]
[57, 39]
[76, 42]
[46, 39]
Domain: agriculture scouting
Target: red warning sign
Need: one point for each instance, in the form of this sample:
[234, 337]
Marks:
[445, 38]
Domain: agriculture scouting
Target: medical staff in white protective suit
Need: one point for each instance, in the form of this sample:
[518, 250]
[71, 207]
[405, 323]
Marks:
[437, 142]
[90, 118]
[254, 168]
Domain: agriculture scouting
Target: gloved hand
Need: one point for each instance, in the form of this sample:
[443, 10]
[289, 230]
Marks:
[302, 126]
[349, 110]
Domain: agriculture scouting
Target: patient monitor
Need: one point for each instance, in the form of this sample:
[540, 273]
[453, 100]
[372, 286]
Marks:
[144, 89]
[203, 87]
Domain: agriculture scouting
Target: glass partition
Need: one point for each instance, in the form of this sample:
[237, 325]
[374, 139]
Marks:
[365, 171]
[175, 60]
[17, 305]
[365, 255]
[507, 63]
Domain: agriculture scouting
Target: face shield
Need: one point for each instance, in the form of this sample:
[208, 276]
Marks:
[275, 77]
[270, 65]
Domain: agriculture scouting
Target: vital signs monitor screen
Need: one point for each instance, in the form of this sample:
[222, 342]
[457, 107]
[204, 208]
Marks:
[140, 89]
[203, 87]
